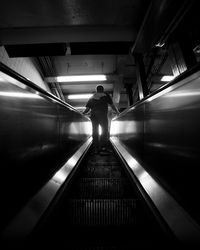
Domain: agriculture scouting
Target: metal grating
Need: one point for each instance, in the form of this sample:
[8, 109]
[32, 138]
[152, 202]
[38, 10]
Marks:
[102, 212]
[102, 171]
[100, 188]
[103, 163]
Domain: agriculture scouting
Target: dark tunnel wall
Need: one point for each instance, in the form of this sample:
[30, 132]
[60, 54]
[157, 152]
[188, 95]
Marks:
[162, 131]
[38, 133]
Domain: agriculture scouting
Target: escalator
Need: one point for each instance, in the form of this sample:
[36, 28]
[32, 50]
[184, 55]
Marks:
[98, 201]
[101, 209]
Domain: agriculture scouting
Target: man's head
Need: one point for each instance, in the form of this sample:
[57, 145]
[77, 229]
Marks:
[100, 89]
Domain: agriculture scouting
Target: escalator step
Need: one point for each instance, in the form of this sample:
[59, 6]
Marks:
[102, 212]
[102, 188]
[103, 163]
[98, 171]
[100, 158]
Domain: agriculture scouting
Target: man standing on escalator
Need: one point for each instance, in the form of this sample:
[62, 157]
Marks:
[98, 106]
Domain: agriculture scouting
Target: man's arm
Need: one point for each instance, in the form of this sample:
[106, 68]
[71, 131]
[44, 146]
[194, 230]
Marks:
[115, 108]
[110, 101]
[86, 111]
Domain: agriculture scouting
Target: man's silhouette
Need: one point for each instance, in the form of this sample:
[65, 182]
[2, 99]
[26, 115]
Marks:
[98, 105]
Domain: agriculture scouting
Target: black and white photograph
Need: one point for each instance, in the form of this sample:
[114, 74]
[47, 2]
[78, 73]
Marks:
[99, 124]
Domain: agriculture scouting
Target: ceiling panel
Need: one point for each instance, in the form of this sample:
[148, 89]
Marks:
[85, 64]
[37, 13]
[98, 33]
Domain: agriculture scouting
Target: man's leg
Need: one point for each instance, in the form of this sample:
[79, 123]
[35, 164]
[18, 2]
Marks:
[95, 133]
[105, 133]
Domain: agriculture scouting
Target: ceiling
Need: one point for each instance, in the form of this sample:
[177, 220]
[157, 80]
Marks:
[81, 37]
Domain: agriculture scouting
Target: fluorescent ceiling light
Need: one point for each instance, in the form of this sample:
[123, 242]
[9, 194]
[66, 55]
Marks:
[167, 78]
[81, 78]
[79, 96]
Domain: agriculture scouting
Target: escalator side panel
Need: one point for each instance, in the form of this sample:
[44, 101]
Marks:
[38, 133]
[185, 229]
[162, 131]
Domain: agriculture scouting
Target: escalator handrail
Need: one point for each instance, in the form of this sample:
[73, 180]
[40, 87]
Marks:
[8, 71]
[176, 80]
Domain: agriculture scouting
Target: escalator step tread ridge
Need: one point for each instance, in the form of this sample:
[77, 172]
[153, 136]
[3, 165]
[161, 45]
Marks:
[100, 212]
[102, 172]
[102, 188]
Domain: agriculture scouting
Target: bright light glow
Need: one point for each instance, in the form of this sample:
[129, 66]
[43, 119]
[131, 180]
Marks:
[61, 175]
[114, 128]
[19, 95]
[82, 107]
[71, 162]
[80, 128]
[87, 127]
[119, 127]
[81, 78]
[167, 78]
[100, 130]
[1, 79]
[183, 94]
[79, 96]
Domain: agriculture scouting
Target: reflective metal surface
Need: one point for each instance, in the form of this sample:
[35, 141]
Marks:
[23, 224]
[37, 135]
[130, 128]
[162, 132]
[182, 225]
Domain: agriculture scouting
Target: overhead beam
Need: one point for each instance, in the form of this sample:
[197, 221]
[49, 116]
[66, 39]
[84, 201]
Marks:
[29, 35]
[161, 19]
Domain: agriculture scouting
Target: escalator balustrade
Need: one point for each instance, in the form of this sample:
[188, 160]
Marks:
[100, 210]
